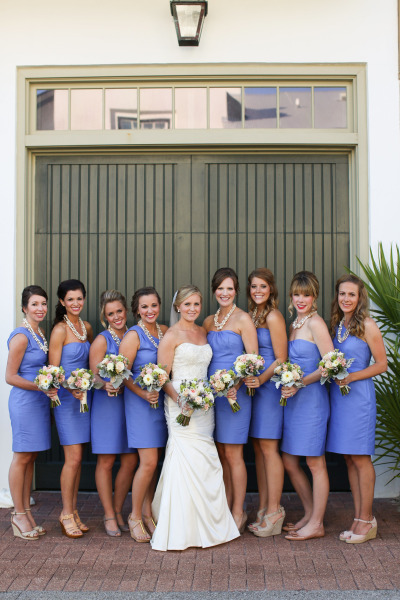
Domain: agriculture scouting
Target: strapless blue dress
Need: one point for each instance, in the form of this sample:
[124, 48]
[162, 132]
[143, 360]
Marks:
[146, 426]
[266, 413]
[73, 426]
[230, 427]
[351, 428]
[108, 424]
[29, 410]
[305, 418]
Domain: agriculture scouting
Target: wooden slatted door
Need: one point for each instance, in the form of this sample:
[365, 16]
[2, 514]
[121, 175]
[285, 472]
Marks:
[165, 220]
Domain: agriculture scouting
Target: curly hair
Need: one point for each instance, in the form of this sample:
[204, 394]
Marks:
[304, 282]
[356, 324]
[272, 301]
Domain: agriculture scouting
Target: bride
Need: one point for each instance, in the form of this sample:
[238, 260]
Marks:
[189, 505]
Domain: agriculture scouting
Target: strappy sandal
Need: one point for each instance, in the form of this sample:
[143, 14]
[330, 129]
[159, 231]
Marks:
[84, 528]
[147, 521]
[270, 528]
[259, 519]
[41, 530]
[24, 535]
[111, 532]
[132, 525]
[357, 538]
[122, 525]
[346, 534]
[72, 530]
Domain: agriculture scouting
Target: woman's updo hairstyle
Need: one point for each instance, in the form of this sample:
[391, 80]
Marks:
[144, 291]
[185, 292]
[304, 282]
[69, 285]
[222, 274]
[356, 325]
[31, 290]
[105, 298]
[268, 277]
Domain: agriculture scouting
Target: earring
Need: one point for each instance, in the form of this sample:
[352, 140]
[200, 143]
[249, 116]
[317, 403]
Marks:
[179, 310]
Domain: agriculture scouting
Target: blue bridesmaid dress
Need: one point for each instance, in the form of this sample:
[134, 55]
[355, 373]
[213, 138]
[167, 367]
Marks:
[266, 414]
[351, 427]
[108, 424]
[230, 427]
[29, 410]
[73, 426]
[146, 426]
[306, 415]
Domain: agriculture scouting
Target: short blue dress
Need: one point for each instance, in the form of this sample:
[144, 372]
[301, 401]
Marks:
[146, 426]
[29, 410]
[266, 413]
[108, 424]
[306, 415]
[230, 427]
[73, 426]
[351, 428]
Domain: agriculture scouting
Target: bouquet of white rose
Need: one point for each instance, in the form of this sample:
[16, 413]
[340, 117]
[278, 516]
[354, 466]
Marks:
[152, 377]
[247, 365]
[287, 374]
[221, 382]
[82, 380]
[115, 368]
[195, 394]
[334, 365]
[50, 377]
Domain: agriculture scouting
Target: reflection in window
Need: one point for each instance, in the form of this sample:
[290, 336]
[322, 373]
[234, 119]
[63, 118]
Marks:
[295, 107]
[225, 108]
[260, 107]
[330, 107]
[190, 108]
[86, 109]
[156, 108]
[51, 110]
[121, 109]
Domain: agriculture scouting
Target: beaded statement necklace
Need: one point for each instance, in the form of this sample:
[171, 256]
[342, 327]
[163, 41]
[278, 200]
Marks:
[339, 336]
[114, 335]
[80, 337]
[43, 346]
[148, 334]
[297, 324]
[219, 326]
[260, 317]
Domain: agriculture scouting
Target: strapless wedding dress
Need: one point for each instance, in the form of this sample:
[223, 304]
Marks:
[190, 505]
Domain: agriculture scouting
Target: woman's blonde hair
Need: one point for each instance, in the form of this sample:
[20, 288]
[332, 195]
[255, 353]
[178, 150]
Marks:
[356, 325]
[304, 282]
[105, 298]
[184, 292]
[268, 277]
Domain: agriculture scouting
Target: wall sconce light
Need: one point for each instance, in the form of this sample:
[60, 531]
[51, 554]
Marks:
[188, 19]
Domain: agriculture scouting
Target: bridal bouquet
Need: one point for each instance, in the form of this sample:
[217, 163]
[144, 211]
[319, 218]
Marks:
[50, 377]
[152, 377]
[287, 374]
[247, 365]
[194, 394]
[82, 380]
[221, 382]
[115, 368]
[334, 365]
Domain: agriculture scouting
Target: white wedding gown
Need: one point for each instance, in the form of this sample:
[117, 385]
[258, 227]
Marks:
[190, 505]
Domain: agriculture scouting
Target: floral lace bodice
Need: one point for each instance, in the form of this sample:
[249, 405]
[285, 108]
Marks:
[190, 361]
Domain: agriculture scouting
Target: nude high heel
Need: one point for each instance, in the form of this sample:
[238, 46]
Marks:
[24, 535]
[271, 528]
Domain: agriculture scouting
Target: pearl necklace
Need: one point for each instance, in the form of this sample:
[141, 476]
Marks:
[82, 337]
[43, 346]
[114, 335]
[339, 336]
[297, 324]
[148, 334]
[219, 326]
[259, 318]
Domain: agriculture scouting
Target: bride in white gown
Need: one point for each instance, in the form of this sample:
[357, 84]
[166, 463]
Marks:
[189, 505]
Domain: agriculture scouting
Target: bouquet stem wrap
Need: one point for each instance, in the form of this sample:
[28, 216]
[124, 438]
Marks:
[84, 405]
[55, 401]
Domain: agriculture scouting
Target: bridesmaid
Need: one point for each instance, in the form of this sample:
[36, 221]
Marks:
[108, 425]
[307, 412]
[146, 426]
[351, 428]
[69, 346]
[230, 332]
[29, 408]
[267, 414]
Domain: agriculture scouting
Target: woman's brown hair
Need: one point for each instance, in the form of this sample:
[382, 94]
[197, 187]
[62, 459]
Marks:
[272, 302]
[356, 325]
[224, 273]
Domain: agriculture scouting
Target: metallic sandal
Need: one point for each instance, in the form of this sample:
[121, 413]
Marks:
[41, 530]
[24, 535]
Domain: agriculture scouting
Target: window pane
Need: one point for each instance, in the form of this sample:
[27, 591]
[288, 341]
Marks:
[225, 108]
[86, 109]
[330, 107]
[52, 110]
[190, 108]
[295, 107]
[121, 109]
[260, 107]
[156, 108]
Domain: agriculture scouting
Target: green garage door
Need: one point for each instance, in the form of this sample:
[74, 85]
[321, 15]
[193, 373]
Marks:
[127, 221]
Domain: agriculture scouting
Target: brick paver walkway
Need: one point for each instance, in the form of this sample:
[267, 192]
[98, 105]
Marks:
[98, 562]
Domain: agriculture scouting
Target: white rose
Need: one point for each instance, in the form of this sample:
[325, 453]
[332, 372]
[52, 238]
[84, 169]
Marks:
[110, 366]
[119, 367]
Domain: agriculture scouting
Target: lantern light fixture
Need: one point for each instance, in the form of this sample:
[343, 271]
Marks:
[188, 18]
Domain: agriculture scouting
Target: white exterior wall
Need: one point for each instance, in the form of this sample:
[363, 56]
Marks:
[89, 32]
